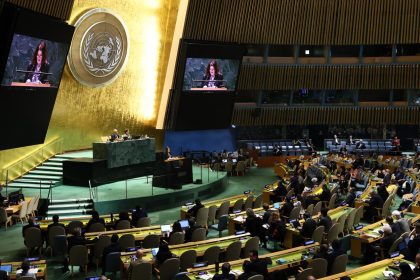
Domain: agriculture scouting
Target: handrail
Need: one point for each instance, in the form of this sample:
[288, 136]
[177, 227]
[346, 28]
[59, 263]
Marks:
[39, 155]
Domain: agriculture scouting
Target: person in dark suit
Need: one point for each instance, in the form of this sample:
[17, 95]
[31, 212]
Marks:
[123, 216]
[225, 273]
[387, 177]
[322, 252]
[414, 244]
[114, 136]
[212, 78]
[259, 266]
[39, 66]
[388, 239]
[375, 201]
[280, 191]
[75, 239]
[31, 224]
[337, 251]
[194, 210]
[190, 230]
[252, 223]
[417, 268]
[360, 144]
[326, 193]
[111, 248]
[308, 226]
[3, 274]
[267, 213]
[95, 219]
[247, 271]
[137, 215]
[55, 223]
[277, 229]
[395, 227]
[325, 220]
[383, 193]
[163, 254]
[176, 227]
[351, 197]
[287, 207]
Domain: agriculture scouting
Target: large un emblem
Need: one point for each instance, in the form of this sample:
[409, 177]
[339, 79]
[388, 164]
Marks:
[99, 48]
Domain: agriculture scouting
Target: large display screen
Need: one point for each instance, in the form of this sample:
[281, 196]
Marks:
[34, 62]
[210, 74]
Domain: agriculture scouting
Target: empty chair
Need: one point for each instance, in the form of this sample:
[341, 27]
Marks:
[238, 205]
[394, 246]
[350, 221]
[341, 222]
[229, 167]
[248, 202]
[73, 225]
[258, 201]
[303, 275]
[222, 225]
[126, 241]
[187, 259]
[211, 255]
[143, 222]
[310, 209]
[333, 233]
[318, 234]
[223, 209]
[331, 204]
[123, 224]
[339, 265]
[202, 216]
[33, 239]
[294, 214]
[251, 244]
[60, 245]
[141, 271]
[98, 249]
[358, 216]
[212, 214]
[22, 213]
[177, 238]
[233, 251]
[78, 256]
[112, 263]
[198, 234]
[52, 232]
[96, 227]
[240, 168]
[4, 219]
[169, 269]
[29, 209]
[319, 267]
[317, 208]
[150, 241]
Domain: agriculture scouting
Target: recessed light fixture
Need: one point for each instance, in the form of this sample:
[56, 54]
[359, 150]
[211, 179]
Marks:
[307, 52]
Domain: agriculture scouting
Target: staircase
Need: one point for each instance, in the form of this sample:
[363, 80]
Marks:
[69, 208]
[44, 176]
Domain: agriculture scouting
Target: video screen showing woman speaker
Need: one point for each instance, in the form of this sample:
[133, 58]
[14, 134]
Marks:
[34, 62]
[210, 74]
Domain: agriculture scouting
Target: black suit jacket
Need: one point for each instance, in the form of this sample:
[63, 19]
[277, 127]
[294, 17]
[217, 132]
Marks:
[376, 201]
[350, 199]
[326, 222]
[413, 248]
[259, 266]
[43, 77]
[217, 80]
[75, 240]
[93, 221]
[111, 248]
[308, 228]
[386, 242]
[286, 209]
[253, 225]
[3, 275]
[224, 277]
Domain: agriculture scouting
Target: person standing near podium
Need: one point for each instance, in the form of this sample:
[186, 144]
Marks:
[39, 66]
[212, 78]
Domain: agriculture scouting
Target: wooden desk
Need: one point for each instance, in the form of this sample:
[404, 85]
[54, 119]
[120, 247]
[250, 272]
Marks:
[200, 247]
[16, 208]
[138, 233]
[370, 234]
[218, 202]
[268, 191]
[366, 194]
[369, 272]
[41, 265]
[287, 258]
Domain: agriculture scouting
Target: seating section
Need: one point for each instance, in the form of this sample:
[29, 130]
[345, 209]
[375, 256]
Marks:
[378, 146]
[267, 148]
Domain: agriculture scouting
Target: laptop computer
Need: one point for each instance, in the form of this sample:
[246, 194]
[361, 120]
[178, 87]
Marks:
[7, 268]
[155, 251]
[165, 228]
[276, 205]
[184, 224]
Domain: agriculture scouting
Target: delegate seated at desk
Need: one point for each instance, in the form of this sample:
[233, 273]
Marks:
[114, 136]
[126, 136]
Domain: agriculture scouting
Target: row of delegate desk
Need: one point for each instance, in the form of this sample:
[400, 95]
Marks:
[40, 266]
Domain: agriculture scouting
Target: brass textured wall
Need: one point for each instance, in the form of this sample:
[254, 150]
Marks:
[82, 114]
[314, 116]
[304, 21]
[269, 77]
[59, 9]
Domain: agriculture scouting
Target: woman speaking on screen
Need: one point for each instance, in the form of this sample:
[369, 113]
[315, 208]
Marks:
[39, 66]
[212, 78]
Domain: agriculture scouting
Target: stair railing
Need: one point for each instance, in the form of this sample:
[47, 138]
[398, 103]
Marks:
[20, 167]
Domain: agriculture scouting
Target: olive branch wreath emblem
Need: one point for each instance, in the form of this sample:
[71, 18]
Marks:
[88, 62]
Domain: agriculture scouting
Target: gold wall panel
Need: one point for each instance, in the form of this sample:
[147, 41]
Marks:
[312, 22]
[245, 116]
[82, 114]
[269, 77]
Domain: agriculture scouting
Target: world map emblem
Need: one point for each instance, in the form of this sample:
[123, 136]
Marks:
[99, 48]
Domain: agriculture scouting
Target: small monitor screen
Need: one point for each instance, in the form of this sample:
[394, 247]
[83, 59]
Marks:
[32, 259]
[224, 160]
[93, 278]
[239, 232]
[236, 211]
[276, 205]
[155, 251]
[395, 254]
[34, 62]
[6, 267]
[165, 228]
[200, 264]
[184, 224]
[309, 242]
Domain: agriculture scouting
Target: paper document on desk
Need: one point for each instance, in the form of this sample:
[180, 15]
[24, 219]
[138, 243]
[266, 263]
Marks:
[239, 219]
[206, 276]
[31, 270]
[236, 272]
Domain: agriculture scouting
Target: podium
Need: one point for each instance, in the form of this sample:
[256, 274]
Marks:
[208, 89]
[173, 173]
[19, 84]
